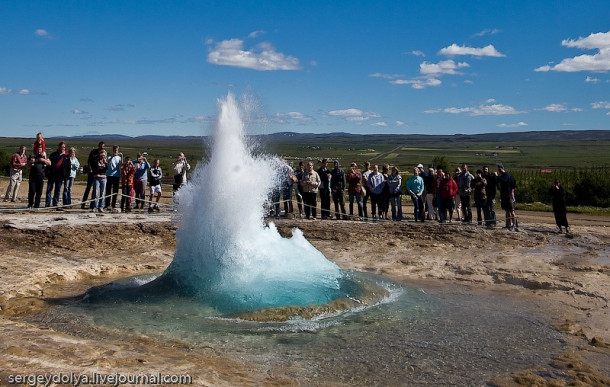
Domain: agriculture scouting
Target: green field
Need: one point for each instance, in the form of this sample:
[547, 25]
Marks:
[554, 151]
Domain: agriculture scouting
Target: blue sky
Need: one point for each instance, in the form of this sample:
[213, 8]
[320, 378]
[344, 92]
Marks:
[431, 67]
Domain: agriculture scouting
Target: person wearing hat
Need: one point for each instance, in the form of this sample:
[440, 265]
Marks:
[507, 197]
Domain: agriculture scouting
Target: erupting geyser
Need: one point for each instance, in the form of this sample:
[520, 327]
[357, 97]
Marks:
[226, 256]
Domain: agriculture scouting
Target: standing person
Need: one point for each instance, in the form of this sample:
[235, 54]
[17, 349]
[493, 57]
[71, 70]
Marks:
[354, 190]
[100, 168]
[366, 194]
[395, 191]
[310, 184]
[288, 179]
[69, 181]
[38, 161]
[440, 175]
[430, 191]
[180, 167]
[39, 146]
[464, 181]
[155, 185]
[59, 170]
[559, 206]
[376, 183]
[480, 196]
[92, 160]
[448, 191]
[299, 190]
[128, 171]
[140, 179]
[507, 197]
[385, 197]
[415, 188]
[457, 201]
[490, 191]
[337, 185]
[113, 175]
[18, 161]
[324, 188]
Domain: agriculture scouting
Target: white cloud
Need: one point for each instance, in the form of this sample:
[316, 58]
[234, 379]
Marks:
[43, 34]
[417, 53]
[385, 76]
[417, 83]
[298, 116]
[6, 90]
[454, 49]
[481, 110]
[517, 125]
[262, 58]
[442, 67]
[255, 34]
[399, 123]
[555, 107]
[599, 61]
[588, 79]
[487, 31]
[600, 105]
[381, 123]
[346, 113]
[353, 114]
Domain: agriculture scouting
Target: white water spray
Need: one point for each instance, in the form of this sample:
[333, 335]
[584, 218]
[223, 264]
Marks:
[225, 254]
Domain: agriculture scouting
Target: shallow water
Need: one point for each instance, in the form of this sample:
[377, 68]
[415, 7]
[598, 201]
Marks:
[418, 336]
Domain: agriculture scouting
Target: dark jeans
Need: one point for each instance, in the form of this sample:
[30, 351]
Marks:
[309, 200]
[396, 203]
[358, 198]
[365, 199]
[53, 186]
[418, 207]
[126, 191]
[466, 211]
[67, 196]
[376, 204]
[442, 215]
[35, 191]
[287, 198]
[339, 201]
[481, 209]
[325, 203]
[490, 212]
[112, 186]
[90, 185]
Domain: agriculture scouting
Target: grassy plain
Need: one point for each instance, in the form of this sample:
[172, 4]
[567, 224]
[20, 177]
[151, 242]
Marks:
[532, 150]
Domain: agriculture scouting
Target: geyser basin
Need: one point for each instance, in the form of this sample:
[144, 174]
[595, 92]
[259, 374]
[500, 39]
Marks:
[448, 335]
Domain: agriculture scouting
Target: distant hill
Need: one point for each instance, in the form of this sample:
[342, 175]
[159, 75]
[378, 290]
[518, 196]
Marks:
[558, 135]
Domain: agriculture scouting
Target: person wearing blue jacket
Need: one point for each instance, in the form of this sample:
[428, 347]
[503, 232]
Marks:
[140, 179]
[395, 186]
[415, 188]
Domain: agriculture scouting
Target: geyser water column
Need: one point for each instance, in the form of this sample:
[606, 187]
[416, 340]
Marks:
[226, 255]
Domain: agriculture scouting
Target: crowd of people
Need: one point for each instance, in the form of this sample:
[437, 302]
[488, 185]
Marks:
[106, 173]
[436, 194]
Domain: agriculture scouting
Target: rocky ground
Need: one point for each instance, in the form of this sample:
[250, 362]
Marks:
[49, 254]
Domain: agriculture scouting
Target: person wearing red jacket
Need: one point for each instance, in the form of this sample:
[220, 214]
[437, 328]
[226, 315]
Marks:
[448, 190]
[18, 161]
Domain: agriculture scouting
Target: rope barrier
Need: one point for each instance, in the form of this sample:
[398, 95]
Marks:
[270, 203]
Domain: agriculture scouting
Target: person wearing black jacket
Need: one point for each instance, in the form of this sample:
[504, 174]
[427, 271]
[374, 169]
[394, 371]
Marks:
[38, 162]
[489, 212]
[559, 206]
[88, 169]
[57, 172]
[337, 186]
[324, 189]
